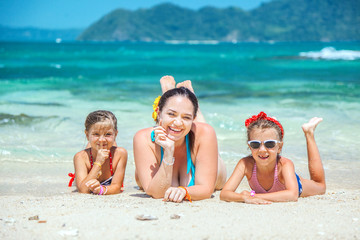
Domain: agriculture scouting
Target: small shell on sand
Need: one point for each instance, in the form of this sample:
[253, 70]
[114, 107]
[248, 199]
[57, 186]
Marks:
[144, 217]
[175, 216]
[36, 217]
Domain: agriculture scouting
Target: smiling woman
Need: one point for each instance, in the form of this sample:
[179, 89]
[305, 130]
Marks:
[166, 156]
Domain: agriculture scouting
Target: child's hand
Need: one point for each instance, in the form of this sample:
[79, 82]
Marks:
[174, 194]
[93, 185]
[253, 199]
[102, 155]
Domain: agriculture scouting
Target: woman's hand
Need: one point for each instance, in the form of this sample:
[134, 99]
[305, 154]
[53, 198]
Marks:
[93, 185]
[253, 199]
[174, 194]
[163, 139]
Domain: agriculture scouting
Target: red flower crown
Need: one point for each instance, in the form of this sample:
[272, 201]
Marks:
[263, 116]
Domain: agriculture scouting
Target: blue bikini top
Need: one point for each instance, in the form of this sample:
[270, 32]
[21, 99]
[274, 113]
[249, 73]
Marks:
[190, 164]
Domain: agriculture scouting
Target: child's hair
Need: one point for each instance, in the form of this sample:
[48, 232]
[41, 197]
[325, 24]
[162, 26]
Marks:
[100, 116]
[262, 121]
[181, 91]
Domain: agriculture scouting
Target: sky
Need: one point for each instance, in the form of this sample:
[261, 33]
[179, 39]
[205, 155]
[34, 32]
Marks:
[65, 14]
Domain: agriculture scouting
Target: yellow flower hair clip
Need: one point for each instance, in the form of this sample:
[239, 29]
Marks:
[155, 106]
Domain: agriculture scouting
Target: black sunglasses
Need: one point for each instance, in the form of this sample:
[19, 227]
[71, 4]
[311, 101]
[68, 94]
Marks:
[255, 144]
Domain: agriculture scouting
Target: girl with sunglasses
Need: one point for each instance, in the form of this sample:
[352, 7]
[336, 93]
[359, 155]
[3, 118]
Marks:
[272, 177]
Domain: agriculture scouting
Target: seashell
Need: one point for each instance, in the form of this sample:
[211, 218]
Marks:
[144, 217]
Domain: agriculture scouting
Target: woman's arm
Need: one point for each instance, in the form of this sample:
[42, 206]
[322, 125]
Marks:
[206, 161]
[154, 179]
[291, 193]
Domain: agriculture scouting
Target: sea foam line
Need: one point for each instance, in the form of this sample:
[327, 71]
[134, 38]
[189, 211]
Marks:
[330, 53]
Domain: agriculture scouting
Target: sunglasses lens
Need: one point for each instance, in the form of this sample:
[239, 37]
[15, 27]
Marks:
[254, 144]
[270, 144]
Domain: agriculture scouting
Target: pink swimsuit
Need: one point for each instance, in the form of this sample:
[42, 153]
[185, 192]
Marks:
[255, 185]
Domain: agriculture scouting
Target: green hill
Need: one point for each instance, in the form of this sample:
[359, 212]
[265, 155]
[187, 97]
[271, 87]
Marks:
[279, 20]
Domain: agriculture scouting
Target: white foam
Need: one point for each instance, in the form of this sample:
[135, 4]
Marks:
[58, 66]
[330, 53]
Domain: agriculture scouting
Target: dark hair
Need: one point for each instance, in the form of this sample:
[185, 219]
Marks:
[181, 91]
[100, 116]
[264, 124]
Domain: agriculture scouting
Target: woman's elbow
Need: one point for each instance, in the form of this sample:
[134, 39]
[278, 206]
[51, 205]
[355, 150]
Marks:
[223, 195]
[154, 195]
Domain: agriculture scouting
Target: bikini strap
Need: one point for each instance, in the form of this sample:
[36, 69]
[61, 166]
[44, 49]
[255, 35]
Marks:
[110, 158]
[152, 136]
[111, 169]
[254, 168]
[188, 155]
[91, 160]
[276, 173]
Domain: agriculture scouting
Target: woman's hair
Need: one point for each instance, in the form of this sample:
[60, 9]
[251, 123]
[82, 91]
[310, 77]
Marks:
[100, 116]
[264, 124]
[181, 91]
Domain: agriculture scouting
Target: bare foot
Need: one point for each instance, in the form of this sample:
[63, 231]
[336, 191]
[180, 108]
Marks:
[187, 84]
[167, 82]
[311, 125]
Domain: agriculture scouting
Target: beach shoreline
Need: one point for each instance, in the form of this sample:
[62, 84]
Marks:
[64, 213]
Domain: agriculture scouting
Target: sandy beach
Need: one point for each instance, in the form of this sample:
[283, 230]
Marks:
[60, 212]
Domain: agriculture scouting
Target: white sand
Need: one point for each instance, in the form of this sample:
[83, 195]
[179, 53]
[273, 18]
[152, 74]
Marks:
[70, 215]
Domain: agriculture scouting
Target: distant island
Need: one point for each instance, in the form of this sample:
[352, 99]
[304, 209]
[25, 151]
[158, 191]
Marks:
[37, 34]
[278, 20]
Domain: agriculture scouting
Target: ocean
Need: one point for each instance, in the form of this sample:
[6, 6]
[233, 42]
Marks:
[47, 90]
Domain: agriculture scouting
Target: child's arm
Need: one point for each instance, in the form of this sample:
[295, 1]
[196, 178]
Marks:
[119, 173]
[81, 172]
[291, 193]
[228, 192]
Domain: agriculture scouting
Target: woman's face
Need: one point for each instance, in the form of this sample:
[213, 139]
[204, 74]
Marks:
[177, 116]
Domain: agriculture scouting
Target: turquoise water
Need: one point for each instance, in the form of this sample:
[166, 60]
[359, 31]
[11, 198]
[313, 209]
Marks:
[47, 89]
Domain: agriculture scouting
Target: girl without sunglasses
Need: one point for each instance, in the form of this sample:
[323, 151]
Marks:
[272, 177]
[178, 158]
[100, 168]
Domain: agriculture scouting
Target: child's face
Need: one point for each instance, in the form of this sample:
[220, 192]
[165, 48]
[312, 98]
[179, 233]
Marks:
[177, 116]
[263, 155]
[101, 135]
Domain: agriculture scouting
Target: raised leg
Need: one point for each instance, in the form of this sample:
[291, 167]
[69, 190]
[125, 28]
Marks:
[187, 84]
[316, 185]
[167, 83]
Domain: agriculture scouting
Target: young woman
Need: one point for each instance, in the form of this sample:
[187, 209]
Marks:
[178, 158]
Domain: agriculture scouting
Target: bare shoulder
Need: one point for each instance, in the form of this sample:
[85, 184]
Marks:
[120, 151]
[80, 156]
[246, 163]
[286, 162]
[201, 129]
[143, 134]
